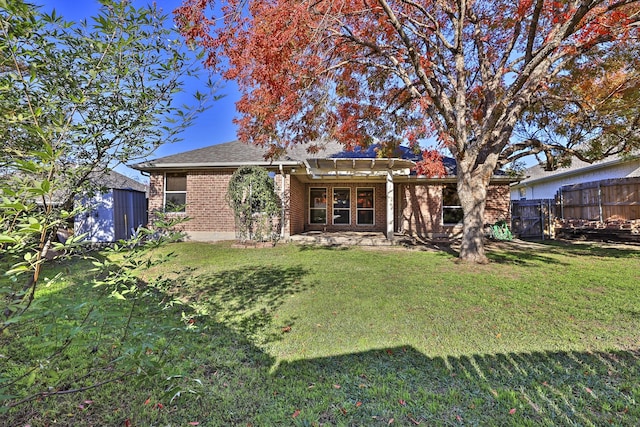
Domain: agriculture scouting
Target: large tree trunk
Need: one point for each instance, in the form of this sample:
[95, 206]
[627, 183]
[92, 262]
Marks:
[472, 191]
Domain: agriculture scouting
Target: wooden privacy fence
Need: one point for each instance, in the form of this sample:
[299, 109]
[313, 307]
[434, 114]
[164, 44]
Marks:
[598, 209]
[601, 209]
[608, 200]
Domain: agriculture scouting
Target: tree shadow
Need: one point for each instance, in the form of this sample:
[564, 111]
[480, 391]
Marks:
[599, 249]
[240, 383]
[324, 247]
[520, 252]
[244, 299]
[402, 386]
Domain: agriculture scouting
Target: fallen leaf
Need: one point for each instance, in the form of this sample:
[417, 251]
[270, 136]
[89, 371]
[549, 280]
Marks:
[459, 418]
[295, 413]
[146, 402]
[337, 386]
[390, 421]
[344, 411]
[512, 411]
[414, 421]
[127, 423]
[402, 402]
[358, 404]
[286, 329]
[498, 335]
[194, 423]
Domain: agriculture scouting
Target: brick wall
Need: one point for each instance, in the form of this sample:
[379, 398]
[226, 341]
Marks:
[297, 205]
[206, 204]
[420, 209]
[156, 192]
[498, 205]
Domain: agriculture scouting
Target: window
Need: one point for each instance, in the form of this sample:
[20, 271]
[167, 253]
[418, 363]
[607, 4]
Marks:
[451, 209]
[342, 206]
[523, 193]
[175, 192]
[365, 211]
[317, 205]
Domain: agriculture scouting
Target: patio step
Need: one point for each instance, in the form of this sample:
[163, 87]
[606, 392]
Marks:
[342, 239]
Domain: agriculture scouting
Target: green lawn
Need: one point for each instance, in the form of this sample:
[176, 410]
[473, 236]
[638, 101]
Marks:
[544, 335]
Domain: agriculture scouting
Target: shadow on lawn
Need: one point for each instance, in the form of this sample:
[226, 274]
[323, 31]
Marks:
[525, 252]
[403, 385]
[241, 384]
[244, 298]
[599, 249]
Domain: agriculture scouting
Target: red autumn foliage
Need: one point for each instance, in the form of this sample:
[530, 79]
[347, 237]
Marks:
[395, 72]
[431, 164]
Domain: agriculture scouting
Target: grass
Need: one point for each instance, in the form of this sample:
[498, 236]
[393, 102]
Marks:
[544, 335]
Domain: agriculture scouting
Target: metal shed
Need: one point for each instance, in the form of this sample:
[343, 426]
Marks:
[115, 213]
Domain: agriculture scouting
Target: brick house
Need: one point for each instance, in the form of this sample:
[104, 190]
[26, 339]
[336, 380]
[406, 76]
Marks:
[331, 190]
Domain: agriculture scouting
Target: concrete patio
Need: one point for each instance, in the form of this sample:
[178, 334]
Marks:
[348, 238]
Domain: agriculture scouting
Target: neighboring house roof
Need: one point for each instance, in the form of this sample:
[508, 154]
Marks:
[537, 174]
[109, 179]
[117, 181]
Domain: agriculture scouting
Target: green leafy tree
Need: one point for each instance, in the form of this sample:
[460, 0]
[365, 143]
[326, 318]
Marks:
[255, 205]
[76, 99]
[103, 93]
[592, 112]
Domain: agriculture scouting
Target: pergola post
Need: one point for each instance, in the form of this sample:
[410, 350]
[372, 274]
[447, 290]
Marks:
[390, 203]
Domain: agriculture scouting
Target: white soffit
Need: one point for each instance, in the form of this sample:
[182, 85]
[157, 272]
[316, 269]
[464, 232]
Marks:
[357, 167]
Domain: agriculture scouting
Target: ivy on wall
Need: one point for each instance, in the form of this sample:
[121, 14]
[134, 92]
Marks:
[255, 205]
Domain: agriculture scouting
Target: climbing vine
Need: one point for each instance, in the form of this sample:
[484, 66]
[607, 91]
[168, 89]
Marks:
[255, 205]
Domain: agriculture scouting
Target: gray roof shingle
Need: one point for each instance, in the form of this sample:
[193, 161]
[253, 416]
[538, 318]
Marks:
[116, 181]
[538, 173]
[236, 153]
[233, 153]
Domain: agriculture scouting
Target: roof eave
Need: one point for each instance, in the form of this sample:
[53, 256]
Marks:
[571, 172]
[204, 165]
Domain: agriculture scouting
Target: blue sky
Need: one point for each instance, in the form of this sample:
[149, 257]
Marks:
[214, 126]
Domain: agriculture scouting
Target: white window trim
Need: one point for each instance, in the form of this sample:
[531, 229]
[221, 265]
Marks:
[449, 224]
[164, 200]
[334, 209]
[372, 208]
[310, 209]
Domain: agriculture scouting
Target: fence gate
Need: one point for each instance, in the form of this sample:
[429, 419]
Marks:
[532, 219]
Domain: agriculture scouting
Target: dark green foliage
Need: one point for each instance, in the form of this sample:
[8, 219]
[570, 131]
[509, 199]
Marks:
[75, 100]
[255, 204]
